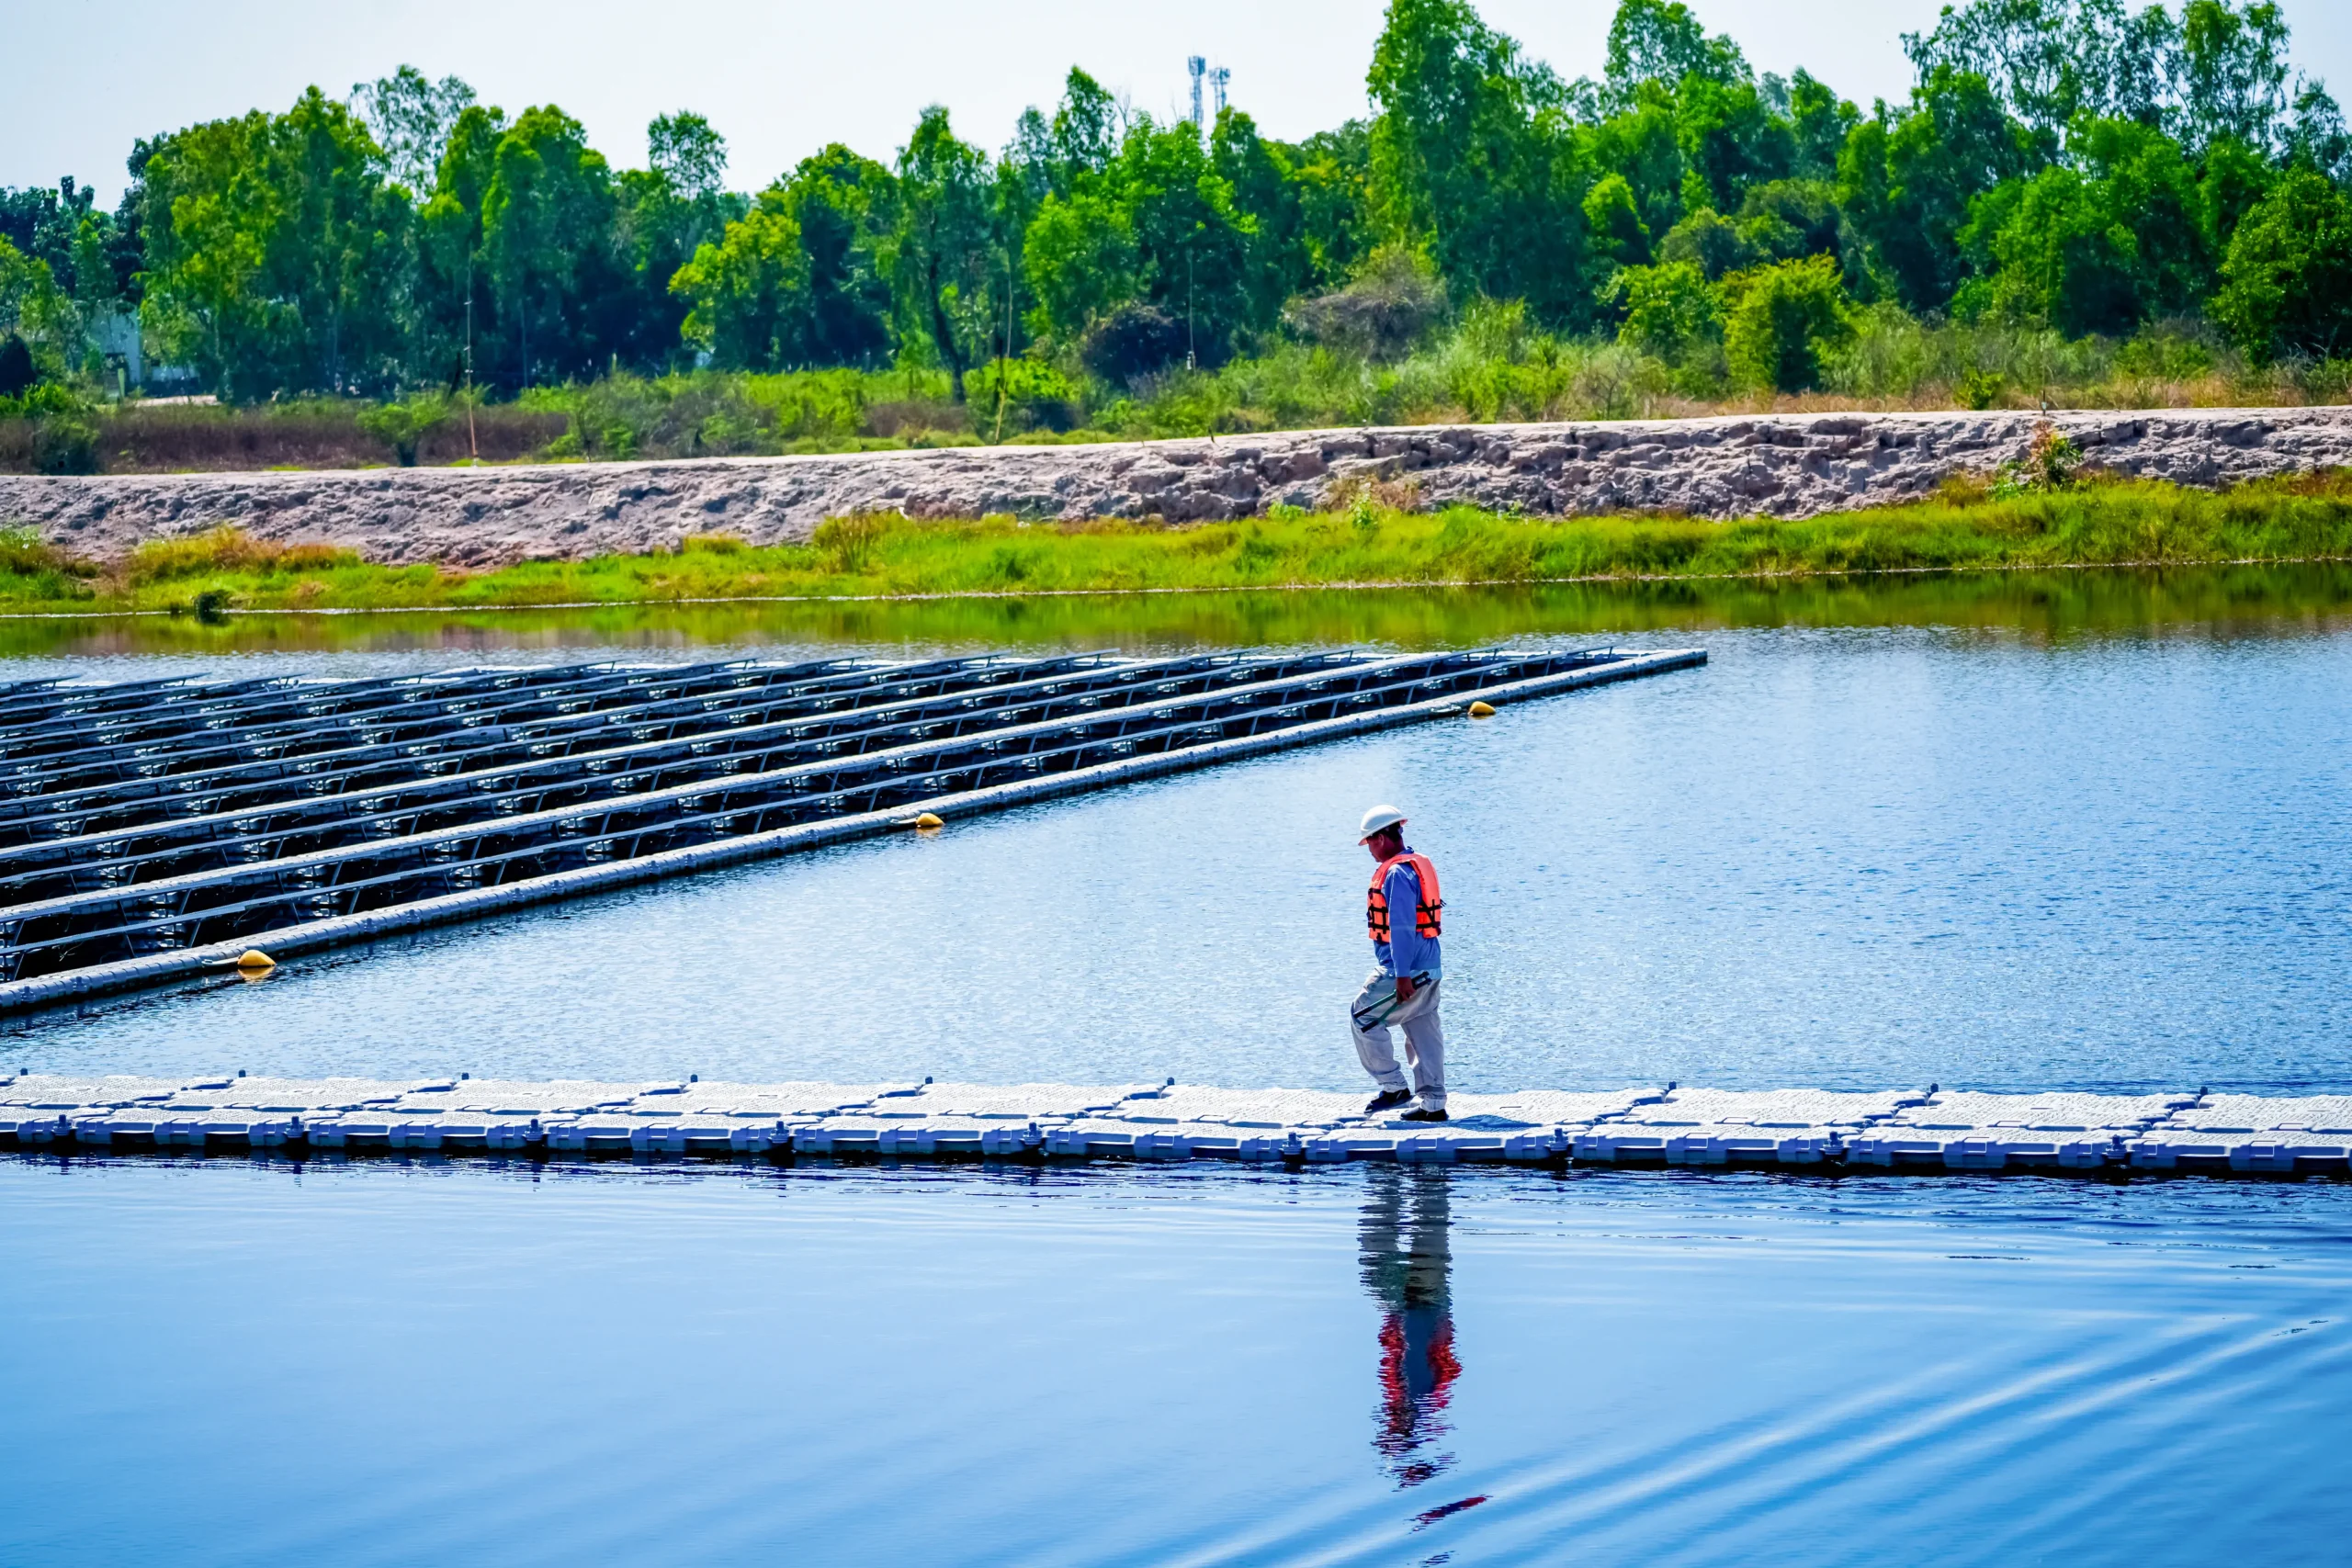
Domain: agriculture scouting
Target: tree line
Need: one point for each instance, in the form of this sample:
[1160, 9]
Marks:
[2069, 164]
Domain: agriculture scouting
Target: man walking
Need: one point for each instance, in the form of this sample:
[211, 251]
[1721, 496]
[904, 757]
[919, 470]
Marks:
[1402, 910]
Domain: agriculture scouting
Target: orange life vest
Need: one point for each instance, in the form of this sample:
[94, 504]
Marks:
[1426, 918]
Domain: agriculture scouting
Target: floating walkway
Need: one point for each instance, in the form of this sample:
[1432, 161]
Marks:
[153, 830]
[1815, 1130]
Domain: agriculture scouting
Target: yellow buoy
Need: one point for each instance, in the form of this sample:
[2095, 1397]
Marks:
[255, 958]
[1482, 710]
[927, 823]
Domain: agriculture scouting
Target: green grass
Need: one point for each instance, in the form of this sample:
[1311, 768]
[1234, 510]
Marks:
[1963, 528]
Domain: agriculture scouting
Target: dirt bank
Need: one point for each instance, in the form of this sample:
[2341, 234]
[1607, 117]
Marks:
[1786, 465]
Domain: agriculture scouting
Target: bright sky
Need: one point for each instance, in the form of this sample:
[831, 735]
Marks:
[780, 80]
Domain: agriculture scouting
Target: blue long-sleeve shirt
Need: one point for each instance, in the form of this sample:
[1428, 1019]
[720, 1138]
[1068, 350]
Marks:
[1407, 951]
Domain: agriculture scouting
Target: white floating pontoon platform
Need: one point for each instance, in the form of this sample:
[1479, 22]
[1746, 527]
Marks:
[1926, 1130]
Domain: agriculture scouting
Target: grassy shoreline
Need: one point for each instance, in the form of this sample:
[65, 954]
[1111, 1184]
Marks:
[1965, 527]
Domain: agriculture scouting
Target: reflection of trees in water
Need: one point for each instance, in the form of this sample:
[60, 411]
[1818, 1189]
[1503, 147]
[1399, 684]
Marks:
[1406, 1266]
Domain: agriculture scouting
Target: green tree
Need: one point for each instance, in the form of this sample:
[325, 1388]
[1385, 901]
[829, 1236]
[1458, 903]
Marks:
[277, 252]
[2287, 281]
[57, 225]
[2082, 164]
[1332, 179]
[1907, 183]
[2319, 139]
[750, 290]
[1191, 246]
[1730, 141]
[1264, 192]
[1711, 242]
[847, 209]
[1819, 122]
[664, 213]
[411, 119]
[1188, 247]
[2118, 238]
[1787, 218]
[1087, 130]
[948, 255]
[36, 314]
[1082, 262]
[1473, 157]
[2218, 72]
[1641, 146]
[548, 240]
[2233, 70]
[1661, 41]
[2232, 176]
[2048, 60]
[18, 372]
[458, 305]
[687, 154]
[93, 270]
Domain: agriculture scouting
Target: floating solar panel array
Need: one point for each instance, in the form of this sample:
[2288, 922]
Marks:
[152, 829]
[1808, 1130]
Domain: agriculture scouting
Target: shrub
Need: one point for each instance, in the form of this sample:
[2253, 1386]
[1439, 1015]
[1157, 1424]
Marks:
[851, 541]
[230, 549]
[17, 372]
[1363, 496]
[1783, 319]
[1669, 309]
[402, 425]
[1983, 389]
[910, 418]
[1710, 243]
[1394, 300]
[2179, 350]
[1132, 342]
[48, 430]
[24, 553]
[1027, 394]
[66, 444]
[2051, 462]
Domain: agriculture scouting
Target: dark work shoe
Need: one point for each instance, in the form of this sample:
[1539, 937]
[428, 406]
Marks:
[1389, 1100]
[1422, 1116]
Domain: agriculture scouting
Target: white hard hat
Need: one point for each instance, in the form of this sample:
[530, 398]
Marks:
[1376, 818]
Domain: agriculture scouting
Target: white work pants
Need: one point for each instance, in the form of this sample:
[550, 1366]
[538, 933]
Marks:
[1375, 1011]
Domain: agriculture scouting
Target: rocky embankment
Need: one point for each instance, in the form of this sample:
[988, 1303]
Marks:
[1787, 465]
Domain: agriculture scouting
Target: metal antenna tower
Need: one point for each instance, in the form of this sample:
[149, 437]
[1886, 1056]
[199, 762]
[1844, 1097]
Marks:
[1196, 67]
[1217, 79]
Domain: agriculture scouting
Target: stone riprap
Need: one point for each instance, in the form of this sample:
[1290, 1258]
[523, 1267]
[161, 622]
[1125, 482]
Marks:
[1784, 466]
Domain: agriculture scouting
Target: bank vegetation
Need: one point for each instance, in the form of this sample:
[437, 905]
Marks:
[2043, 512]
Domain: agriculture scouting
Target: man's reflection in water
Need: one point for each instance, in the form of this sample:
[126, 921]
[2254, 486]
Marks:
[1406, 1266]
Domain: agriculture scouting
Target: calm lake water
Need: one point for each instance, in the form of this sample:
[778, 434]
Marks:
[2105, 843]
[2082, 830]
[413, 1363]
